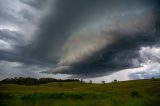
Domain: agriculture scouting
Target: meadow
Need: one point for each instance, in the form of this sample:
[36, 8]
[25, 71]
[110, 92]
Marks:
[126, 93]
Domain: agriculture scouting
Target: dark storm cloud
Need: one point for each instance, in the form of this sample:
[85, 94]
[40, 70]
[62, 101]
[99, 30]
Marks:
[12, 57]
[15, 21]
[67, 16]
[64, 18]
[115, 56]
[12, 45]
[56, 28]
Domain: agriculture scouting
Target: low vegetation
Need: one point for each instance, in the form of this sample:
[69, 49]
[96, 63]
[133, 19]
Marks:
[77, 93]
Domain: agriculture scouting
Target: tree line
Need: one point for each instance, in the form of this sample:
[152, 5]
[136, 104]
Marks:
[33, 81]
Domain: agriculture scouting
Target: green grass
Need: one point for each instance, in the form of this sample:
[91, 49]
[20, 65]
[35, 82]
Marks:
[127, 93]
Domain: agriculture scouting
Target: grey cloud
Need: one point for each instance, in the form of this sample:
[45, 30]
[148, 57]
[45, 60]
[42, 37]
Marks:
[12, 45]
[145, 75]
[96, 53]
[14, 56]
[115, 57]
[67, 16]
[16, 30]
[9, 14]
[119, 54]
[18, 69]
[27, 15]
[38, 4]
[13, 36]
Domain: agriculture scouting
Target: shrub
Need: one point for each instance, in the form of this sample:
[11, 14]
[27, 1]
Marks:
[103, 82]
[115, 80]
[135, 94]
[90, 81]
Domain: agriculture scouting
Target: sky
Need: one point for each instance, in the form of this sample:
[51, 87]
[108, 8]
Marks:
[86, 39]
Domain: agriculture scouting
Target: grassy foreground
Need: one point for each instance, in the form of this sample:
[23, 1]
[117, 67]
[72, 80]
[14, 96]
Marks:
[127, 93]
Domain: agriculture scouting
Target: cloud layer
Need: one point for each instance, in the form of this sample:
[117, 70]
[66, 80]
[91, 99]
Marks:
[81, 38]
[99, 47]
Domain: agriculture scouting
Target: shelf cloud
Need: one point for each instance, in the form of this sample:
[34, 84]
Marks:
[81, 38]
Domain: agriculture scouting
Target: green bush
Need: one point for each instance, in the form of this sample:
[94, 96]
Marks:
[135, 94]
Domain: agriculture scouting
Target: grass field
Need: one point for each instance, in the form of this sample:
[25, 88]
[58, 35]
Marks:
[127, 93]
